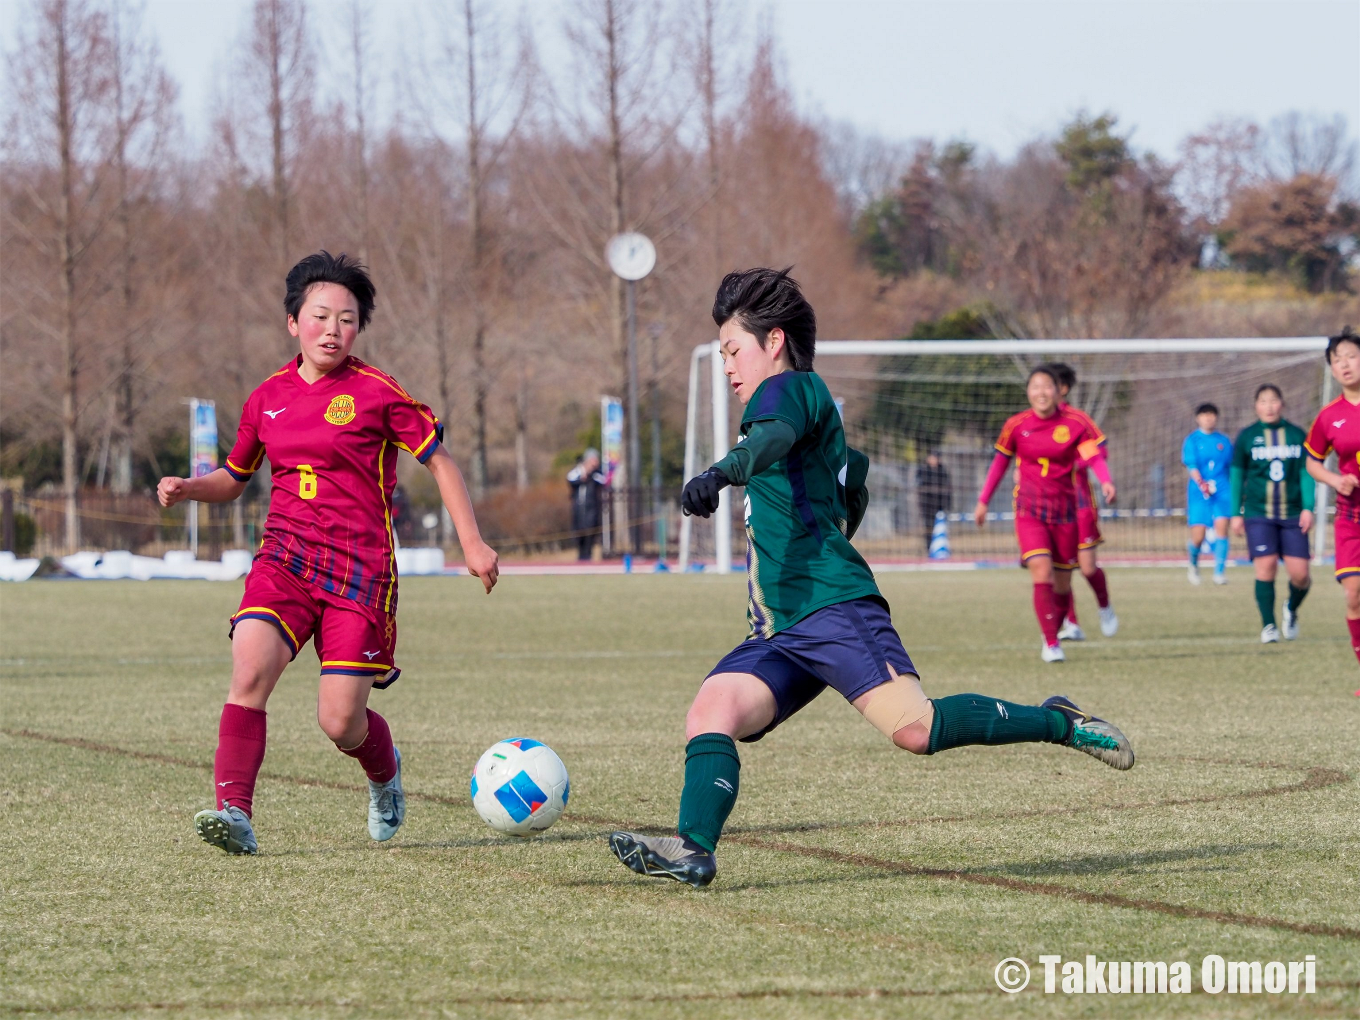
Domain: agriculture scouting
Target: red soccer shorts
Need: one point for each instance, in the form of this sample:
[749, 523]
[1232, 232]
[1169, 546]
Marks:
[1088, 527]
[350, 638]
[1040, 538]
[1347, 548]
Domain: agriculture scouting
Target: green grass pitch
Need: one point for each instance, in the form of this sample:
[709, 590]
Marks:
[855, 880]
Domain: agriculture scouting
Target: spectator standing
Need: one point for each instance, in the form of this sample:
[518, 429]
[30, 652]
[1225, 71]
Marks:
[587, 492]
[933, 492]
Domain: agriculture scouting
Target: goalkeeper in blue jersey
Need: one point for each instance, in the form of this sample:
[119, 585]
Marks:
[1207, 456]
[815, 616]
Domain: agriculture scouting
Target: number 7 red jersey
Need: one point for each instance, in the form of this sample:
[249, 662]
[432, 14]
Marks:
[1046, 451]
[332, 448]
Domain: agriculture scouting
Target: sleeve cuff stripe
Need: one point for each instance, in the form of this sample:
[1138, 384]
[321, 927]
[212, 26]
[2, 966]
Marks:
[1314, 454]
[425, 450]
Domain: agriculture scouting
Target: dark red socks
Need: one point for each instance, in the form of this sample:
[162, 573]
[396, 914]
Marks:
[1046, 609]
[1099, 587]
[1354, 626]
[240, 752]
[376, 754]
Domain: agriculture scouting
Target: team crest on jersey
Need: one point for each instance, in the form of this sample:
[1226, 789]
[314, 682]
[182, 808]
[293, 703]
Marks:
[341, 411]
[1062, 434]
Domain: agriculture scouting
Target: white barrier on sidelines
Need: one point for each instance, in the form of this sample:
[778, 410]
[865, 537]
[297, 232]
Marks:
[119, 564]
[420, 561]
[14, 569]
[178, 563]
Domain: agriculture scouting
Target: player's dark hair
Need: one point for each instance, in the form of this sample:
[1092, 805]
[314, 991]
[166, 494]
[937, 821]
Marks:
[1044, 369]
[323, 267]
[1267, 386]
[1064, 373]
[1207, 408]
[1346, 336]
[765, 299]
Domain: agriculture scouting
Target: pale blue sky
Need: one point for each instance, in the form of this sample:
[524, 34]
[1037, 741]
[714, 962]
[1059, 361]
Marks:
[998, 72]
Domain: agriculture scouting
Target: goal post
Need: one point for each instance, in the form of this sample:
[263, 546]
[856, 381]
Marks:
[903, 399]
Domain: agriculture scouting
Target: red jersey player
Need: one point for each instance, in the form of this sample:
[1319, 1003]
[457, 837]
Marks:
[1048, 442]
[1337, 427]
[326, 569]
[1088, 527]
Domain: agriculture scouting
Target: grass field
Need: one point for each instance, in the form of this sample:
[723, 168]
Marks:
[855, 880]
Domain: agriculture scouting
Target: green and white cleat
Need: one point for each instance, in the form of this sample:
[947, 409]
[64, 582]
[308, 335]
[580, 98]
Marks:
[1098, 738]
[228, 828]
[386, 806]
[1290, 630]
[1270, 634]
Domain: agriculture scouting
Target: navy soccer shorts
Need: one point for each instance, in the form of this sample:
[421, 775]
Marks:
[1276, 538]
[847, 647]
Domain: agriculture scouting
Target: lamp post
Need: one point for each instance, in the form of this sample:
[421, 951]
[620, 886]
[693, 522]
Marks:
[632, 256]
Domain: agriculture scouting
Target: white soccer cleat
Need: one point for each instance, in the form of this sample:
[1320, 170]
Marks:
[1071, 632]
[1109, 623]
[1220, 577]
[227, 828]
[1053, 653]
[1269, 635]
[1192, 574]
[1291, 624]
[386, 806]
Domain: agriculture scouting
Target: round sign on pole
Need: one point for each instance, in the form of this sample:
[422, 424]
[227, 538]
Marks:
[631, 256]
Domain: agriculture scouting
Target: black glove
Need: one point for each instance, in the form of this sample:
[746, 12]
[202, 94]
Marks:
[700, 497]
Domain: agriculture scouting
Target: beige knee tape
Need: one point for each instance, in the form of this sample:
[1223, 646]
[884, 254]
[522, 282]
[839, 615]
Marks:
[898, 703]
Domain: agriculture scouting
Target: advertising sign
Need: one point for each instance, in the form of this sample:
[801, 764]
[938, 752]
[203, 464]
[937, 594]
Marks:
[202, 438]
[611, 438]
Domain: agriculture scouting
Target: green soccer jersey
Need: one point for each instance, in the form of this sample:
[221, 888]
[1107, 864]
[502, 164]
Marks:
[1268, 472]
[799, 558]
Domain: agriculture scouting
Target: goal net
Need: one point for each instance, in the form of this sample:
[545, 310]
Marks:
[902, 400]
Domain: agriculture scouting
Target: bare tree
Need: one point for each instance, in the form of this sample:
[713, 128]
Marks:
[143, 101]
[278, 69]
[61, 93]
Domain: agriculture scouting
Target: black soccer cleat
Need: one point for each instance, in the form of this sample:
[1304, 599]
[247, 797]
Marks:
[671, 857]
[1096, 737]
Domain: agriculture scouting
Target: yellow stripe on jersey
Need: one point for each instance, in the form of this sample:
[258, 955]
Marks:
[387, 521]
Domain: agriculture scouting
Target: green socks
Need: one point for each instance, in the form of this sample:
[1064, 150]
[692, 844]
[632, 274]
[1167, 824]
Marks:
[1296, 597]
[712, 776]
[1265, 601]
[963, 719]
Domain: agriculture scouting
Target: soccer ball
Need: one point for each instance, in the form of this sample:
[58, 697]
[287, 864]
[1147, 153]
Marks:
[520, 786]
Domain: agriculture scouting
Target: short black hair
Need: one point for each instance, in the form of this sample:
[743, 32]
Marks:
[323, 267]
[765, 299]
[1267, 386]
[1064, 374]
[1044, 369]
[1346, 336]
[1207, 408]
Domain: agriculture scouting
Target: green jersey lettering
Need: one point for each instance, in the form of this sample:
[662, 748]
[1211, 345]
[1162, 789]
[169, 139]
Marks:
[1268, 473]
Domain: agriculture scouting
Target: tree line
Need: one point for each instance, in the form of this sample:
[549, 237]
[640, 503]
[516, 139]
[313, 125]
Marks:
[143, 269]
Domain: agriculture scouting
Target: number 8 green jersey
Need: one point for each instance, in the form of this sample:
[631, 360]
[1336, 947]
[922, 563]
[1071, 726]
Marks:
[1268, 472]
[799, 558]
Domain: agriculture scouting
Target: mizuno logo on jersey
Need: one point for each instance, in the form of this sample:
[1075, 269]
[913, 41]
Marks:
[369, 655]
[275, 414]
[1338, 424]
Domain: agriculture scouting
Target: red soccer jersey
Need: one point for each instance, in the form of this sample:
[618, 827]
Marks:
[1047, 451]
[332, 448]
[1337, 427]
[1081, 475]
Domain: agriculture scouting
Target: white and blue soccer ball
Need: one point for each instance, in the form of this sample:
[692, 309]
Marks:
[520, 786]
